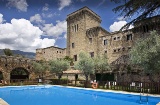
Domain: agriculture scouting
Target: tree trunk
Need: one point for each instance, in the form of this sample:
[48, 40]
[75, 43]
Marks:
[86, 75]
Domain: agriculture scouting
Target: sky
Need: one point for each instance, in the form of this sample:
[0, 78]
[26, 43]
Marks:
[27, 25]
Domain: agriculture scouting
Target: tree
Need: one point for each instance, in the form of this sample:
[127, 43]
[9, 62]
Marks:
[85, 64]
[101, 65]
[7, 52]
[69, 59]
[40, 68]
[58, 66]
[143, 8]
[146, 54]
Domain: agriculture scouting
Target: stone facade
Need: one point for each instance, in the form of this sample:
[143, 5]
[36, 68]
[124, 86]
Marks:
[8, 64]
[84, 34]
[50, 53]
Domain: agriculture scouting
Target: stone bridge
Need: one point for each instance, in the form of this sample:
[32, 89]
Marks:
[15, 68]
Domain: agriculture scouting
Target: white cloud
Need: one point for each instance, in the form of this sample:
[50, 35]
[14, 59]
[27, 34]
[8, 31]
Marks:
[1, 18]
[65, 36]
[47, 15]
[116, 26]
[21, 5]
[55, 30]
[20, 34]
[36, 18]
[46, 7]
[64, 3]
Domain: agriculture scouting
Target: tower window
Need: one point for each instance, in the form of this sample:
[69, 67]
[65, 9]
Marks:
[105, 42]
[129, 37]
[92, 54]
[90, 40]
[77, 27]
[75, 57]
[72, 45]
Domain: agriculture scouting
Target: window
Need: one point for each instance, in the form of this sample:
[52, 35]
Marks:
[118, 38]
[129, 48]
[74, 28]
[105, 42]
[123, 49]
[92, 54]
[114, 38]
[57, 51]
[105, 51]
[90, 40]
[75, 57]
[119, 49]
[77, 27]
[114, 50]
[129, 37]
[72, 45]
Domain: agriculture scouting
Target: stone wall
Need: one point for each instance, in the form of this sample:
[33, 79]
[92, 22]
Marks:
[50, 53]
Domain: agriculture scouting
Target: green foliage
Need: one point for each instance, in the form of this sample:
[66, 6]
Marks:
[85, 64]
[146, 53]
[58, 66]
[142, 8]
[101, 64]
[39, 68]
[69, 59]
[7, 52]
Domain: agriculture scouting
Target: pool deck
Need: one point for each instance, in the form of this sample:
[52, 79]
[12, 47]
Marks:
[2, 102]
[102, 90]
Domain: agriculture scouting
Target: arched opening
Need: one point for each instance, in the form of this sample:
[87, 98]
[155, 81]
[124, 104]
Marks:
[19, 74]
[1, 76]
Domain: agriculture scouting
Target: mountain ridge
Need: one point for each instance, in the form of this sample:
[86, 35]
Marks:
[30, 55]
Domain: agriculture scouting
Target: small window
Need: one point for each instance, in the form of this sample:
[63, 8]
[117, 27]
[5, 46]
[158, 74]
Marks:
[75, 57]
[114, 38]
[44, 51]
[77, 27]
[92, 54]
[114, 50]
[105, 42]
[118, 38]
[57, 51]
[119, 49]
[105, 51]
[129, 37]
[72, 45]
[129, 48]
[123, 49]
[90, 40]
[74, 28]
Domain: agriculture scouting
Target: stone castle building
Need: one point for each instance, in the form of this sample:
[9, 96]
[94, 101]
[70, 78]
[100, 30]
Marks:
[84, 34]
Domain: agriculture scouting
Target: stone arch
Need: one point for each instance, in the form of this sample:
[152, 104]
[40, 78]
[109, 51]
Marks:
[19, 73]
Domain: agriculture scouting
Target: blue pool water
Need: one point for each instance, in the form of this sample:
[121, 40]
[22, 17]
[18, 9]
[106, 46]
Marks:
[55, 95]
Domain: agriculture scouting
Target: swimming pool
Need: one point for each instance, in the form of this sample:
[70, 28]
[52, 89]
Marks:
[57, 95]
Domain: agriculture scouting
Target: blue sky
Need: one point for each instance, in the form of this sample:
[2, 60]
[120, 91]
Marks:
[30, 24]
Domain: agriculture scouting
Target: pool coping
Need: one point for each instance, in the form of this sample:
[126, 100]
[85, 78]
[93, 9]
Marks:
[2, 102]
[102, 90]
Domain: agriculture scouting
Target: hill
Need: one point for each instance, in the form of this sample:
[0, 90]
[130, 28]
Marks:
[18, 52]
